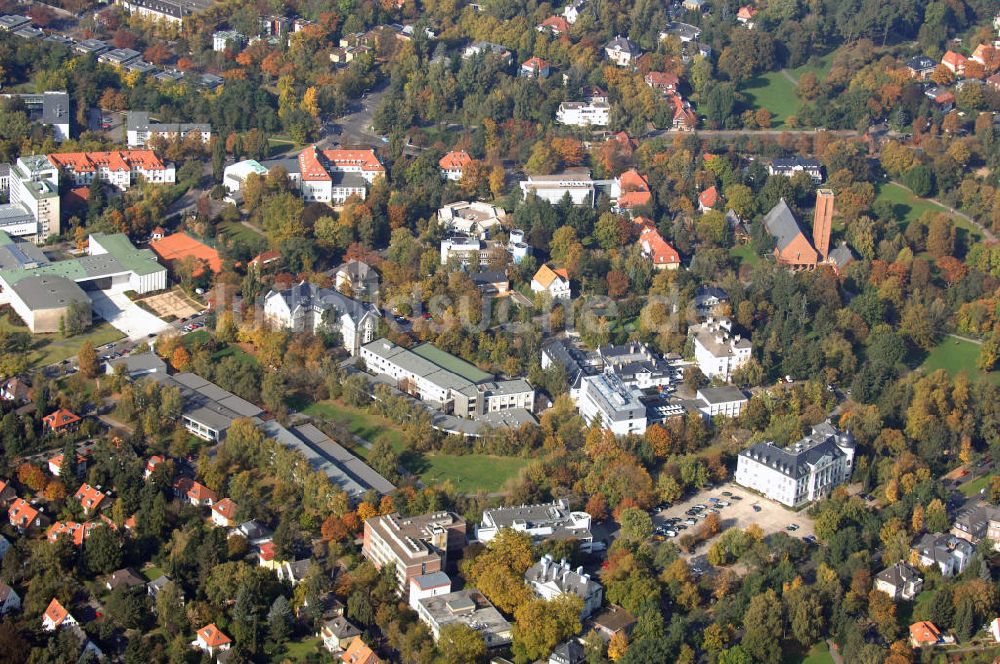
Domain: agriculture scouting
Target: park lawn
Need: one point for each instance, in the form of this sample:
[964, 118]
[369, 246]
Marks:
[51, 348]
[819, 65]
[279, 144]
[911, 207]
[361, 423]
[471, 472]
[196, 338]
[818, 654]
[745, 254]
[955, 355]
[233, 350]
[298, 651]
[774, 92]
[973, 488]
[234, 230]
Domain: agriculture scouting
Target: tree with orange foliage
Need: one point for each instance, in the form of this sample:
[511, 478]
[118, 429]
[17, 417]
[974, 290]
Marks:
[365, 511]
[597, 507]
[55, 490]
[617, 646]
[333, 529]
[386, 505]
[351, 522]
[31, 476]
[158, 53]
[180, 359]
[618, 283]
[185, 64]
[942, 75]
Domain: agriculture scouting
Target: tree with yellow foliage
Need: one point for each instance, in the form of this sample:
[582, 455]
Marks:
[309, 102]
[618, 645]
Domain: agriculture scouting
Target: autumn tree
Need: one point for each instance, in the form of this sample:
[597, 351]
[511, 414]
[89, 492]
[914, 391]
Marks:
[763, 628]
[87, 359]
[540, 625]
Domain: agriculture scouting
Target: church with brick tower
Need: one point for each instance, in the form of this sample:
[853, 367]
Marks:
[793, 248]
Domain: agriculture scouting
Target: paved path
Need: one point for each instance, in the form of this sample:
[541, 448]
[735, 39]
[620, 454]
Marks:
[834, 652]
[978, 342]
[987, 233]
[125, 315]
[791, 79]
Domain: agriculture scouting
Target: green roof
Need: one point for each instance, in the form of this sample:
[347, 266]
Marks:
[121, 256]
[140, 261]
[449, 362]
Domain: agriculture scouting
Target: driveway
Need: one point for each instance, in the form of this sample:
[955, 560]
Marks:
[128, 317]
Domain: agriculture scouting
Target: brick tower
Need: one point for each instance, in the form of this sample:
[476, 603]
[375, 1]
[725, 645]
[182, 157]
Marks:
[822, 222]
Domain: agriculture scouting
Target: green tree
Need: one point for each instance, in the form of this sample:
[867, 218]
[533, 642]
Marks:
[762, 626]
[279, 620]
[636, 525]
[103, 553]
[539, 625]
[460, 644]
[67, 469]
[965, 619]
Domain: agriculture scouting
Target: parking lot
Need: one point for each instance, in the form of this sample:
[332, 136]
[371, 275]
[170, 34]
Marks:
[740, 513]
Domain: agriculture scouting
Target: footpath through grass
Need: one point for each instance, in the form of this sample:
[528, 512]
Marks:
[957, 355]
[469, 473]
[909, 207]
[774, 92]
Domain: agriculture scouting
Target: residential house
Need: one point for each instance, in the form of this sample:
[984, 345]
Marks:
[988, 56]
[659, 251]
[491, 282]
[154, 587]
[954, 62]
[338, 634]
[924, 634]
[7, 496]
[415, 545]
[806, 471]
[76, 533]
[428, 585]
[789, 166]
[151, 465]
[662, 81]
[535, 67]
[542, 522]
[126, 577]
[717, 351]
[9, 600]
[708, 199]
[15, 389]
[223, 39]
[549, 580]
[943, 98]
[633, 191]
[572, 10]
[89, 497]
[55, 464]
[488, 49]
[265, 260]
[949, 553]
[453, 164]
[574, 182]
[56, 616]
[475, 219]
[684, 118]
[993, 82]
[200, 495]
[707, 298]
[591, 113]
[552, 281]
[60, 422]
[554, 25]
[212, 640]
[358, 652]
[253, 532]
[357, 279]
[900, 581]
[23, 516]
[693, 5]
[613, 620]
[224, 513]
[294, 572]
[685, 32]
[920, 67]
[306, 307]
[622, 51]
[267, 556]
[568, 652]
[746, 14]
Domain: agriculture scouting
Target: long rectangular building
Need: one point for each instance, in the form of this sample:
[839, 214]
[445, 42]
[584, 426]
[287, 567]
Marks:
[119, 168]
[139, 130]
[413, 545]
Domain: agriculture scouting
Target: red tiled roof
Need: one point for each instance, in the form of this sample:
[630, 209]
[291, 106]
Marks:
[226, 508]
[556, 24]
[118, 160]
[709, 197]
[212, 636]
[455, 160]
[78, 532]
[535, 63]
[56, 612]
[364, 159]
[631, 180]
[924, 633]
[88, 496]
[662, 79]
[954, 59]
[658, 249]
[746, 12]
[265, 257]
[359, 653]
[153, 462]
[199, 492]
[60, 418]
[546, 275]
[21, 513]
[267, 551]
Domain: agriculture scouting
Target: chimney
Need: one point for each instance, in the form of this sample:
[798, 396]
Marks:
[822, 222]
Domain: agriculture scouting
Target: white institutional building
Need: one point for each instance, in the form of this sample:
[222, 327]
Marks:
[592, 113]
[717, 351]
[801, 473]
[305, 307]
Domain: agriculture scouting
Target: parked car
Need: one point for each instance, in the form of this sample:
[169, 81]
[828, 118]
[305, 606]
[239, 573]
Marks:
[691, 522]
[727, 494]
[792, 527]
[756, 508]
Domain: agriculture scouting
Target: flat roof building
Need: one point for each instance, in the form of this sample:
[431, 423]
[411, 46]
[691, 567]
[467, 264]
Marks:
[415, 546]
[465, 607]
[547, 521]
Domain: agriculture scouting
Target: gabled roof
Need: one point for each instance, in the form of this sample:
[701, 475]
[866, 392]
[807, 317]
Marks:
[454, 160]
[212, 636]
[547, 275]
[56, 612]
[659, 250]
[622, 44]
[780, 222]
[747, 12]
[60, 418]
[226, 508]
[556, 24]
[924, 632]
[709, 197]
[920, 63]
[662, 79]
[199, 491]
[21, 513]
[359, 653]
[898, 575]
[954, 59]
[535, 63]
[127, 577]
[88, 496]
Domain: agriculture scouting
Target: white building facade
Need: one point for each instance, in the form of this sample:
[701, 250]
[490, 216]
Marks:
[717, 351]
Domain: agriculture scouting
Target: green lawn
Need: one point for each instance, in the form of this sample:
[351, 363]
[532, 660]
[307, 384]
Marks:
[745, 253]
[774, 92]
[468, 472]
[818, 654]
[237, 352]
[278, 145]
[955, 355]
[973, 488]
[50, 348]
[299, 650]
[234, 230]
[152, 572]
[909, 207]
[819, 65]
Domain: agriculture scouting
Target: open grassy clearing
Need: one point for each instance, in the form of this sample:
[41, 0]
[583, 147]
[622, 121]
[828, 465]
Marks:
[774, 92]
[956, 355]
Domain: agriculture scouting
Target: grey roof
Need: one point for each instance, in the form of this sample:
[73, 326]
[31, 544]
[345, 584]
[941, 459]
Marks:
[140, 66]
[139, 121]
[899, 574]
[342, 179]
[305, 294]
[571, 358]
[708, 292]
[341, 628]
[358, 270]
[206, 402]
[254, 530]
[29, 32]
[120, 56]
[13, 214]
[42, 292]
[563, 576]
[617, 402]
[723, 394]
[432, 580]
[795, 461]
[841, 255]
[510, 418]
[569, 652]
[921, 63]
[127, 576]
[469, 607]
[790, 163]
[59, 39]
[95, 46]
[620, 43]
[780, 222]
[290, 164]
[940, 547]
[169, 75]
[158, 583]
[173, 8]
[343, 468]
[140, 364]
[13, 21]
[488, 277]
[555, 515]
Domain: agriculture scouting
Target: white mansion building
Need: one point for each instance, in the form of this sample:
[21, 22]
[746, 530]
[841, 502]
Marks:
[307, 308]
[800, 473]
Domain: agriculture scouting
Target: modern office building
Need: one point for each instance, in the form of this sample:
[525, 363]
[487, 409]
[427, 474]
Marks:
[415, 546]
[546, 521]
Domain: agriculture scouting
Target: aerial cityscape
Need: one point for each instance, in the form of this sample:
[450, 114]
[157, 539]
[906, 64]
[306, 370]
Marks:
[500, 333]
